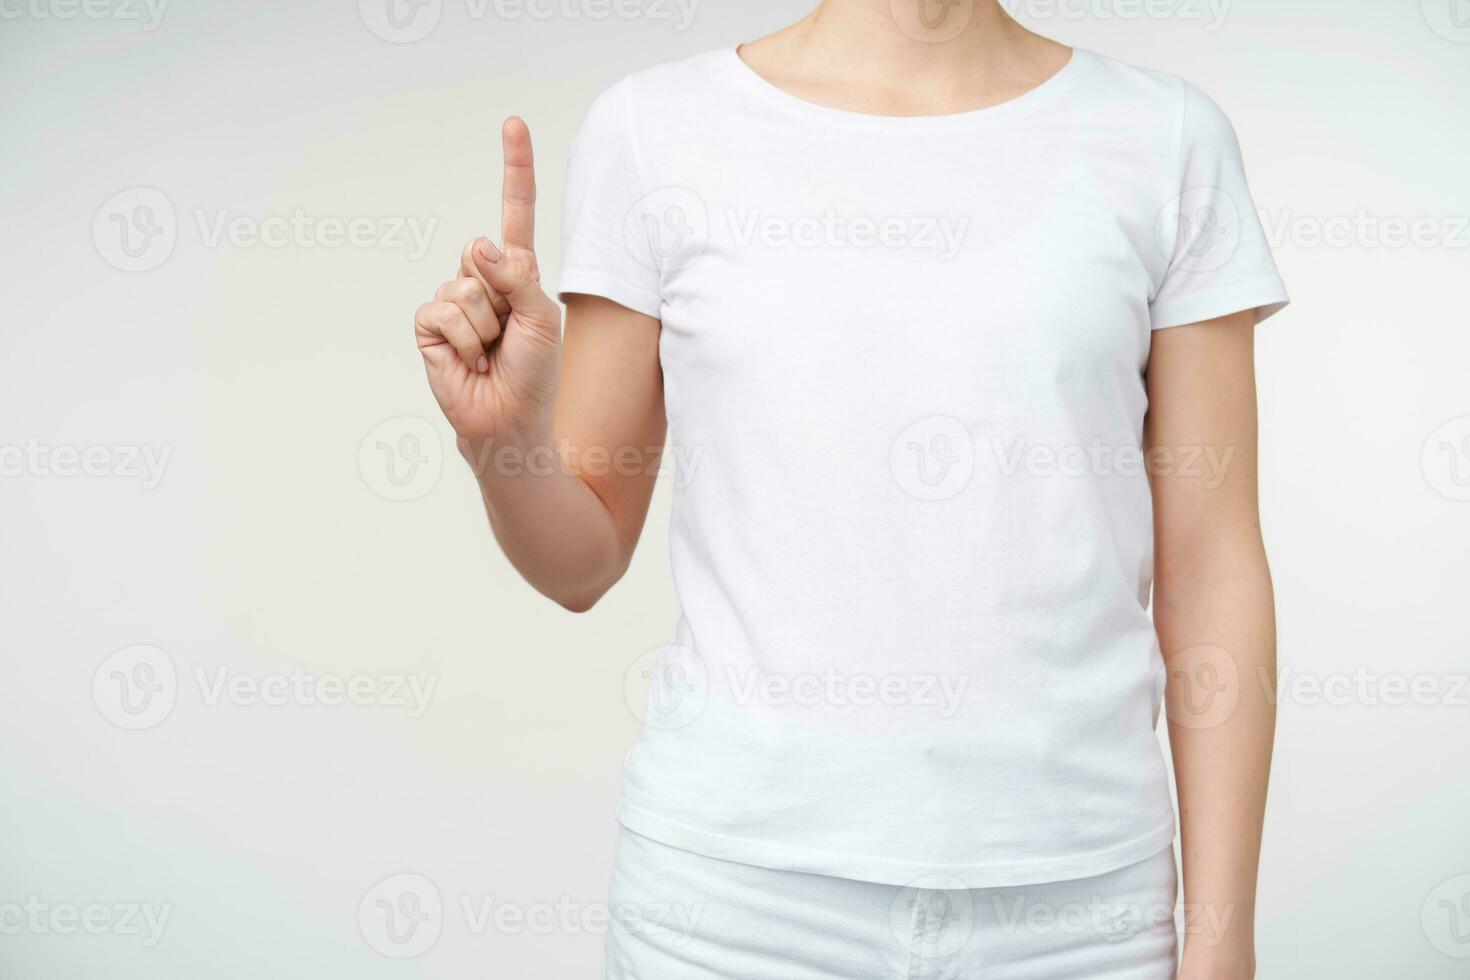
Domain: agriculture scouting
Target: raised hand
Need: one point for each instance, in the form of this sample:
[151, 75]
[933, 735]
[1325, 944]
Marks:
[491, 337]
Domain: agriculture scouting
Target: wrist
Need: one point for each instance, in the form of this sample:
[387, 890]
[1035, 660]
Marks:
[1223, 961]
[525, 448]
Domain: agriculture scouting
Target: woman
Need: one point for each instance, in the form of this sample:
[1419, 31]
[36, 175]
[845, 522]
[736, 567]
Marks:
[952, 328]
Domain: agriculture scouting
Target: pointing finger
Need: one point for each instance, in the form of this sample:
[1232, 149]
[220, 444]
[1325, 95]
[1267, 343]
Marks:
[518, 192]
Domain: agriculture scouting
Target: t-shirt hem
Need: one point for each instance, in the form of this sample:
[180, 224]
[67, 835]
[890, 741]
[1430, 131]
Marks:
[1266, 296]
[891, 871]
[596, 283]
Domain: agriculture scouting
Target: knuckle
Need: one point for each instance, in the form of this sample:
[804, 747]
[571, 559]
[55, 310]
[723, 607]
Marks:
[454, 319]
[518, 268]
[467, 292]
[448, 319]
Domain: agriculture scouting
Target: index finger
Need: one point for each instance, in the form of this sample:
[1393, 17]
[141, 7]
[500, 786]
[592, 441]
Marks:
[518, 192]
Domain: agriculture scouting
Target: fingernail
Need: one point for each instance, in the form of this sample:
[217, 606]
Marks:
[488, 251]
[483, 364]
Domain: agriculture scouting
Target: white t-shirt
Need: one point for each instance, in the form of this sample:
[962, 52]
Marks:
[912, 537]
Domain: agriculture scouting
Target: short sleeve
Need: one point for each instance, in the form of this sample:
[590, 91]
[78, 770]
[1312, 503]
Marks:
[1219, 261]
[603, 189]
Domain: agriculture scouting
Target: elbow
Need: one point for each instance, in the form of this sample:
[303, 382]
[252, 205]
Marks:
[578, 602]
[582, 596]
[580, 589]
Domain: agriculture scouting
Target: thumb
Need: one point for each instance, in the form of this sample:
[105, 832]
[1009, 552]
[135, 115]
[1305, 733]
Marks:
[511, 275]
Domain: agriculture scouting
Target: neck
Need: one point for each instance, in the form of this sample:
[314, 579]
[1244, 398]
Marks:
[925, 37]
[906, 57]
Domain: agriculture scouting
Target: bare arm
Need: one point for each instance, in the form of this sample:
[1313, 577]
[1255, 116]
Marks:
[563, 433]
[569, 520]
[1214, 611]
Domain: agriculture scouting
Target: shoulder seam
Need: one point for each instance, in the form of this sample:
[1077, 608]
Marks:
[1183, 127]
[630, 124]
[1175, 186]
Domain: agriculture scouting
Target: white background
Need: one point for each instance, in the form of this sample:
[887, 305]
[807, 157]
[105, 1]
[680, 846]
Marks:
[267, 545]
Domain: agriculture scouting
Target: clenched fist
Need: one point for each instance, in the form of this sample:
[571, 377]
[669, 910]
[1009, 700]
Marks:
[491, 337]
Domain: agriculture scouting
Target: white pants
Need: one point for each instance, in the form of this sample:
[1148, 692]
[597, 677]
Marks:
[683, 916]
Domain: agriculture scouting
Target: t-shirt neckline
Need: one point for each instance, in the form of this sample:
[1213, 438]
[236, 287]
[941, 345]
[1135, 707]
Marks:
[753, 82]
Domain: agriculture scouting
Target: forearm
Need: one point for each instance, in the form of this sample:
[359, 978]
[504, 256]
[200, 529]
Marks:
[512, 382]
[550, 523]
[1215, 617]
